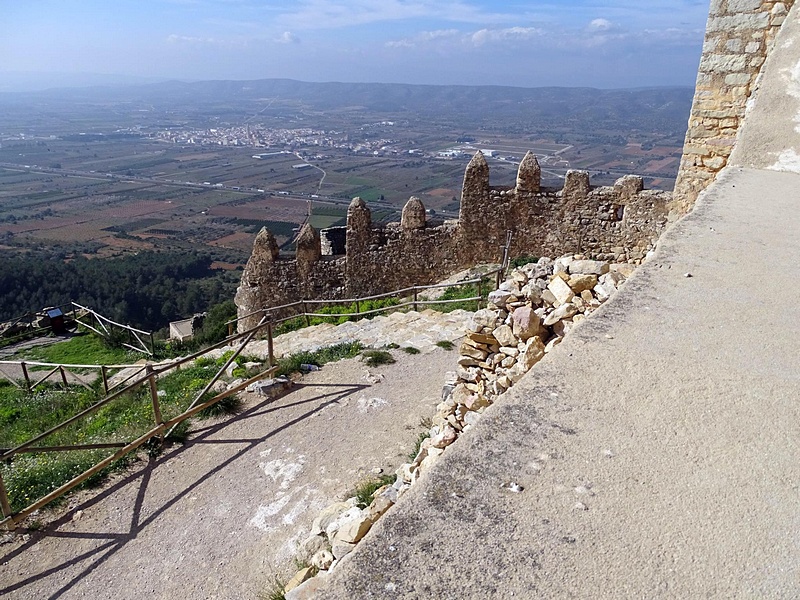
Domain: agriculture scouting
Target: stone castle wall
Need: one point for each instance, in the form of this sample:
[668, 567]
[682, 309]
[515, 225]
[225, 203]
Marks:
[739, 36]
[615, 223]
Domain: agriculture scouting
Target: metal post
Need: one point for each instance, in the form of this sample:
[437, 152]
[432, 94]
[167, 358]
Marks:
[27, 377]
[104, 374]
[5, 506]
[270, 347]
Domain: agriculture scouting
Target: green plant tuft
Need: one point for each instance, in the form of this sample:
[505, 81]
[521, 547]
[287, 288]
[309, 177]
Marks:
[418, 444]
[375, 358]
[411, 350]
[366, 489]
[445, 344]
[274, 591]
[180, 434]
[230, 405]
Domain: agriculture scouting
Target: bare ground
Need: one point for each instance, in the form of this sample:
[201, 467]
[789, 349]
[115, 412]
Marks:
[221, 516]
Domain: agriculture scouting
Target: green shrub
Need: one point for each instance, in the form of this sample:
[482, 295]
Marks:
[523, 260]
[411, 350]
[445, 344]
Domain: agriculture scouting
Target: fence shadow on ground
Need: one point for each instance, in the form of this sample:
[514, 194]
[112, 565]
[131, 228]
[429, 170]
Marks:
[117, 541]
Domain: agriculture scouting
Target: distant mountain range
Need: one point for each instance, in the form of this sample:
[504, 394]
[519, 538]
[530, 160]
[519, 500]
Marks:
[652, 109]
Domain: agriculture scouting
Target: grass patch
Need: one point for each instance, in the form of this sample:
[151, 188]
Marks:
[24, 415]
[375, 358]
[365, 489]
[367, 305]
[411, 350]
[445, 344]
[464, 291]
[83, 348]
[291, 364]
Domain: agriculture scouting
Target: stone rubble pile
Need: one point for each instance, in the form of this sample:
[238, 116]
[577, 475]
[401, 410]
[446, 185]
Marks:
[530, 313]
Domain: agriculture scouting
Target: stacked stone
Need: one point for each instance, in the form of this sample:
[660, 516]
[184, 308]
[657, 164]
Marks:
[739, 36]
[334, 534]
[525, 319]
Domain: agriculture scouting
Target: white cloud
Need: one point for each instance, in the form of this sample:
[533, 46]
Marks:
[424, 37]
[484, 36]
[188, 39]
[287, 37]
[329, 14]
[600, 25]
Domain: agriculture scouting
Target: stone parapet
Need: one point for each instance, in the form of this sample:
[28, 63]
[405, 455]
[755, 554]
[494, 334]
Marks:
[619, 223]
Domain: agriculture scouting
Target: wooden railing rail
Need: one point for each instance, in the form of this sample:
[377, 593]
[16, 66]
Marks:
[412, 291]
[161, 428]
[101, 322]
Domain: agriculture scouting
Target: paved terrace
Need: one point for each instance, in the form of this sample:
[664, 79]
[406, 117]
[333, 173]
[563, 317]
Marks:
[658, 446]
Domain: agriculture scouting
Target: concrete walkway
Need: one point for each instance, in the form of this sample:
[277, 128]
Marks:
[658, 446]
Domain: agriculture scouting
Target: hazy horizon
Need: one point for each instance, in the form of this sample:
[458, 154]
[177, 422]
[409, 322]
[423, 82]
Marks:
[528, 43]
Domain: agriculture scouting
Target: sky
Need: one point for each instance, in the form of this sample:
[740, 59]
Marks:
[525, 43]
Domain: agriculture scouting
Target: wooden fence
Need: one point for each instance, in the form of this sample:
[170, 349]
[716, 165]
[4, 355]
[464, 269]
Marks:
[147, 375]
[136, 339]
[128, 337]
[409, 298]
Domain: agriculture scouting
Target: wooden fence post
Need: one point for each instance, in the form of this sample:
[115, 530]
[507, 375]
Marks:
[104, 374]
[5, 506]
[480, 294]
[27, 377]
[63, 376]
[270, 347]
[305, 312]
[415, 299]
[154, 396]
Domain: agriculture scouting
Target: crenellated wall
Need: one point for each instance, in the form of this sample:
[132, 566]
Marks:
[615, 223]
[739, 37]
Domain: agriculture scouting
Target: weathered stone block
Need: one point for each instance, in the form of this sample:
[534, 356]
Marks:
[560, 290]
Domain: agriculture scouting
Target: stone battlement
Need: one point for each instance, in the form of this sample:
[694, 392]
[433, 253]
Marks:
[616, 223]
